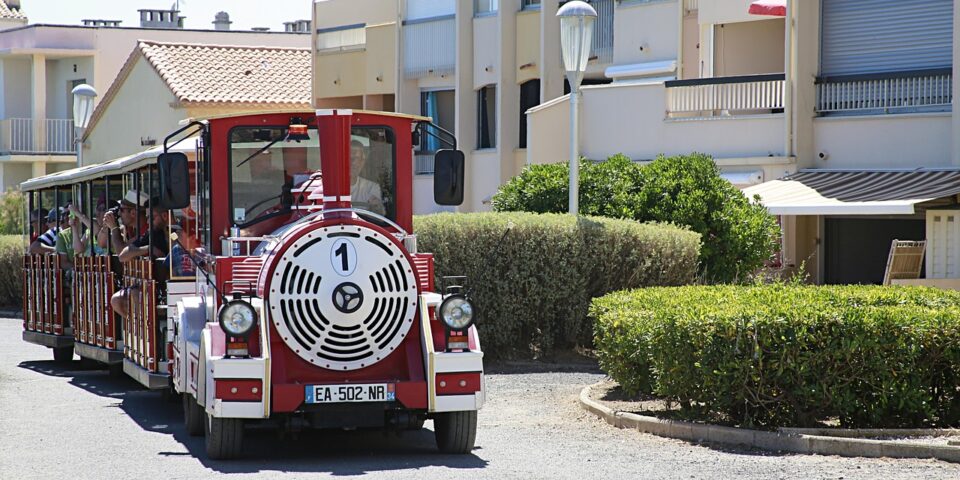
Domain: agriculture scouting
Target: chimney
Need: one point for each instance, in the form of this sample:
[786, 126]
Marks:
[222, 21]
[161, 19]
[13, 4]
[297, 26]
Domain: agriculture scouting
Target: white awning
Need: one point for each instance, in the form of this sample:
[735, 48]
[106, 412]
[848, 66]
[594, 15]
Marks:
[855, 192]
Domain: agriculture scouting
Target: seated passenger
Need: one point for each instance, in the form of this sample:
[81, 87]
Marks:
[364, 194]
[47, 242]
[120, 222]
[154, 243]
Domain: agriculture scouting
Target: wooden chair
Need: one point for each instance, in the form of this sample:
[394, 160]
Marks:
[905, 260]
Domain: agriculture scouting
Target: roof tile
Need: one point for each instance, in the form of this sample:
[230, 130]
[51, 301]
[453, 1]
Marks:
[7, 12]
[195, 73]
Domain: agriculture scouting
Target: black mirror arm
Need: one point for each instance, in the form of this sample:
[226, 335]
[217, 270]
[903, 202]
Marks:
[447, 137]
[201, 127]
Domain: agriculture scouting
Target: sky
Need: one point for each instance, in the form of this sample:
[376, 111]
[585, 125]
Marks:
[245, 14]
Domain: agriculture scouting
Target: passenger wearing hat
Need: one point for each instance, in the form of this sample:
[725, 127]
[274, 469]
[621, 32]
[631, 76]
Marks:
[154, 243]
[47, 242]
[118, 233]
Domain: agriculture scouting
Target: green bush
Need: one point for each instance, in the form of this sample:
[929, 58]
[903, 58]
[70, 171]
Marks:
[11, 271]
[533, 289]
[789, 355]
[738, 236]
[12, 204]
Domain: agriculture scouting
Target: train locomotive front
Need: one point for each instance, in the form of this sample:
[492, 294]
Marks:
[324, 315]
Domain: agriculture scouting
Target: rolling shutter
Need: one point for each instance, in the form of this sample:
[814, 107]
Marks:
[871, 36]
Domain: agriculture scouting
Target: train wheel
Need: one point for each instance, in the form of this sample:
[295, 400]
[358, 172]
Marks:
[456, 432]
[224, 437]
[193, 415]
[63, 354]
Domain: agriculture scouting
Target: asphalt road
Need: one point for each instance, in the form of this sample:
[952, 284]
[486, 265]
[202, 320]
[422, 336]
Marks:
[77, 423]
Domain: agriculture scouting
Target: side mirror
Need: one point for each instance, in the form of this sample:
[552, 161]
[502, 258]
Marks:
[448, 166]
[174, 180]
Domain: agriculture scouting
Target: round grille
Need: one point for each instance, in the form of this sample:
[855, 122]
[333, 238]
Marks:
[343, 297]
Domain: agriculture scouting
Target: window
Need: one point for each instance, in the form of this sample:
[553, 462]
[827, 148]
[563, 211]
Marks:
[267, 171]
[529, 98]
[341, 38]
[441, 107]
[372, 176]
[487, 117]
[485, 6]
[264, 169]
[530, 4]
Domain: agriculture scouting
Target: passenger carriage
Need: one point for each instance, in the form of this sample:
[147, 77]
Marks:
[286, 288]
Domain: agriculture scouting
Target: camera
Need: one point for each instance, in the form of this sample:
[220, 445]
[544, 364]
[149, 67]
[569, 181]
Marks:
[115, 210]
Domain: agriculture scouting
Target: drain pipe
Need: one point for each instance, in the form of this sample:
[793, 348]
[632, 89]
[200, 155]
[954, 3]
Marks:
[788, 82]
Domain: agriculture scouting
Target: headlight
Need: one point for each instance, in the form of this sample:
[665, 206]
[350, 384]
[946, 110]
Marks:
[456, 312]
[237, 318]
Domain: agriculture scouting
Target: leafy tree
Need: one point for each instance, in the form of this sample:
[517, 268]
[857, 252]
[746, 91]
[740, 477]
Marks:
[11, 212]
[738, 235]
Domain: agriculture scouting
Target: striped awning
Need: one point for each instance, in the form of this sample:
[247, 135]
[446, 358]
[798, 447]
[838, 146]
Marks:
[855, 192]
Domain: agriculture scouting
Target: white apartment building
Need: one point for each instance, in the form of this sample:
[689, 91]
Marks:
[40, 64]
[837, 112]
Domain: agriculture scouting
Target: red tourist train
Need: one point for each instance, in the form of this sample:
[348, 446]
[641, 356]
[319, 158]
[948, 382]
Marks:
[264, 268]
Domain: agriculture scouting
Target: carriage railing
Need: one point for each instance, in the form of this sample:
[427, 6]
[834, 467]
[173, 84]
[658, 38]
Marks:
[141, 328]
[93, 285]
[43, 302]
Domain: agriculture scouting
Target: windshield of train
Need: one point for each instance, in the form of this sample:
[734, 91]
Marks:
[269, 174]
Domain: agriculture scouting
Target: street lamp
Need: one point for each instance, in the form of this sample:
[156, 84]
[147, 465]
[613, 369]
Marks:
[83, 96]
[576, 31]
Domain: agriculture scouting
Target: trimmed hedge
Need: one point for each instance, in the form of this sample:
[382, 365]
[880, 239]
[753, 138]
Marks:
[11, 271]
[789, 355]
[533, 290]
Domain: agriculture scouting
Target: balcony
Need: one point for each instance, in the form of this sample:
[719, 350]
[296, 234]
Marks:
[34, 136]
[886, 93]
[725, 96]
[430, 47]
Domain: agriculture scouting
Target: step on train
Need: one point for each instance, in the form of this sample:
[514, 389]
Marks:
[264, 269]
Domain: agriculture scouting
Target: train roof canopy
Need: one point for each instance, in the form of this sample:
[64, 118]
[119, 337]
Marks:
[112, 167]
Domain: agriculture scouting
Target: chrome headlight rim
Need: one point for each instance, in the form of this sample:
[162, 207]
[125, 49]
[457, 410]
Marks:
[227, 307]
[450, 300]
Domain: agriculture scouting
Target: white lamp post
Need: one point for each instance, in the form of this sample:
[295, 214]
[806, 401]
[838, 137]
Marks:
[576, 31]
[83, 96]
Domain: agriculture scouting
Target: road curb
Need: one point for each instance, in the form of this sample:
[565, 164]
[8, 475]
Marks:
[775, 441]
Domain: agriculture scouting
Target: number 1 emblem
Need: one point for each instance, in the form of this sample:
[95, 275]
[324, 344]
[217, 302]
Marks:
[343, 257]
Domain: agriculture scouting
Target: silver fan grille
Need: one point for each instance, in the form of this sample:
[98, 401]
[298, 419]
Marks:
[343, 297]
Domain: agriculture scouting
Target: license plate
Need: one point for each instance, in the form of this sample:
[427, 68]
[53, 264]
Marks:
[360, 392]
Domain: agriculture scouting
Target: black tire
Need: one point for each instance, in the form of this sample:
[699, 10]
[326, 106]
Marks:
[63, 354]
[193, 415]
[455, 432]
[224, 437]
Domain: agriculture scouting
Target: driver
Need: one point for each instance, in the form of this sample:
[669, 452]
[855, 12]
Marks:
[364, 193]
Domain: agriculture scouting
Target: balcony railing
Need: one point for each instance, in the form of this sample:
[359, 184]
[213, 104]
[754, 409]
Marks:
[725, 96]
[601, 47]
[37, 136]
[430, 47]
[691, 5]
[882, 93]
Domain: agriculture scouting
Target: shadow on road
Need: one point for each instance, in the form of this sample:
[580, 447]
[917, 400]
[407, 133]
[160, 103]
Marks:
[331, 452]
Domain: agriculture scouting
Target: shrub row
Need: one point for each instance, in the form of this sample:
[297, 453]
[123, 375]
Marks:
[11, 271]
[789, 355]
[533, 282]
[738, 235]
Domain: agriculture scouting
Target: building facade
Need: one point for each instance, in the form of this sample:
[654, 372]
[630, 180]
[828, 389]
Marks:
[787, 97]
[40, 64]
